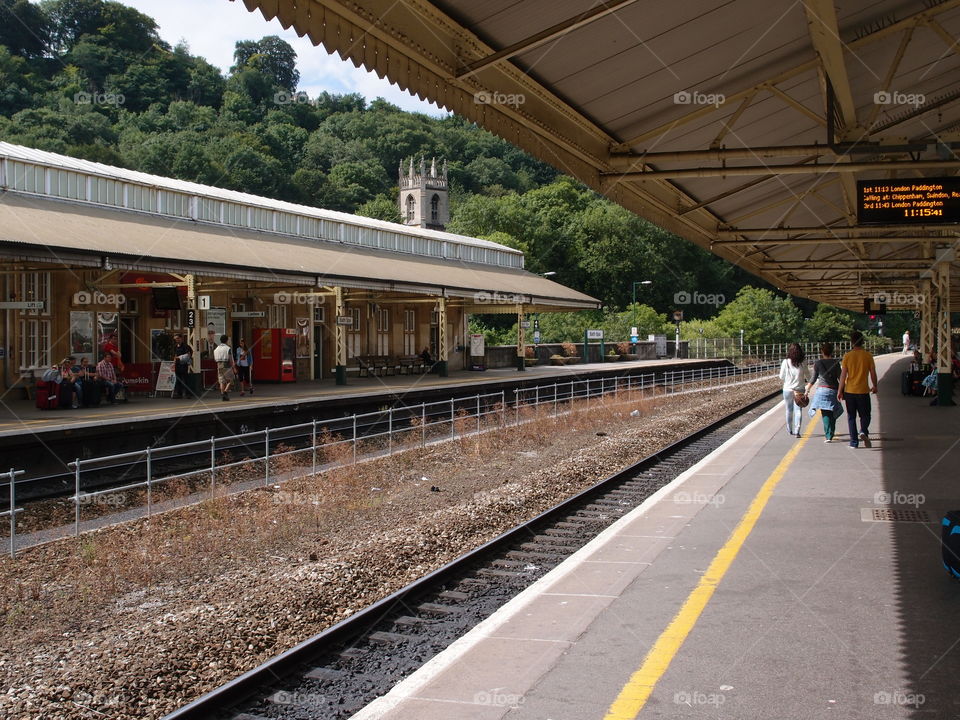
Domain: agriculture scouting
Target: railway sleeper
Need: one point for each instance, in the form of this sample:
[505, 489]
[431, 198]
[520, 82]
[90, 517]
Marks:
[538, 556]
[436, 609]
[387, 638]
[493, 572]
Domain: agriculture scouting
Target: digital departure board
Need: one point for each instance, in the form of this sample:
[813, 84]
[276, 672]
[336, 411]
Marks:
[921, 201]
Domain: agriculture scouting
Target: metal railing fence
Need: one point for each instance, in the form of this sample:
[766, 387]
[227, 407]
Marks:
[350, 439]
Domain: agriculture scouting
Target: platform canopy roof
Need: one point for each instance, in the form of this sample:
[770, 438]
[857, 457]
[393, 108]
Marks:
[742, 126]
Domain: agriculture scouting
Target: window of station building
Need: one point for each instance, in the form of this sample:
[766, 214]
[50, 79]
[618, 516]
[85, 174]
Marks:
[234, 214]
[174, 203]
[411, 208]
[353, 333]
[140, 197]
[34, 343]
[174, 320]
[383, 331]
[409, 332]
[67, 184]
[277, 316]
[435, 209]
[27, 177]
[208, 209]
[104, 191]
[33, 287]
[319, 314]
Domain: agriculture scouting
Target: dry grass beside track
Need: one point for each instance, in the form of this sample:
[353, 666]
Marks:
[132, 621]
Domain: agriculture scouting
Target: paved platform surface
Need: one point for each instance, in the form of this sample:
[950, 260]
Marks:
[751, 588]
[18, 414]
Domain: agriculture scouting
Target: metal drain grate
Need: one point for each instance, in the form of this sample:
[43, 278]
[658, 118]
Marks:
[887, 514]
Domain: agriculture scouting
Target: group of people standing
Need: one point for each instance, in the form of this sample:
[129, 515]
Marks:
[232, 364]
[838, 385]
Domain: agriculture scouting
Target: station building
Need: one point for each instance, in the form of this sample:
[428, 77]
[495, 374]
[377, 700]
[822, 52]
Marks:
[92, 252]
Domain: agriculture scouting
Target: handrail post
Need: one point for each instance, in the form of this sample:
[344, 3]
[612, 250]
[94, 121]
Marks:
[390, 431]
[76, 498]
[149, 483]
[13, 516]
[213, 463]
[423, 425]
[313, 443]
[354, 438]
[266, 456]
[478, 415]
[453, 427]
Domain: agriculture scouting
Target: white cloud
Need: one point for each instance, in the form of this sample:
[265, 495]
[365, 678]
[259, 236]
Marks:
[212, 27]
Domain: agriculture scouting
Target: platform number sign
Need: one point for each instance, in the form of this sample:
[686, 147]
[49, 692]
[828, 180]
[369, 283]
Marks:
[191, 318]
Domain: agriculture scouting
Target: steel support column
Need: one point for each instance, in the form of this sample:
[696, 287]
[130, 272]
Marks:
[193, 334]
[442, 337]
[944, 344]
[521, 340]
[928, 312]
[340, 338]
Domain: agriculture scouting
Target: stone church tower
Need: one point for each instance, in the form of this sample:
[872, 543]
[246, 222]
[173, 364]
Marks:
[424, 197]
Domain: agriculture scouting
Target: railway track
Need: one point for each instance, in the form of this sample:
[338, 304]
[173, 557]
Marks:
[333, 674]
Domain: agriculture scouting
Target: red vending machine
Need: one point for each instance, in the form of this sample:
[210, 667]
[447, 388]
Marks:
[274, 355]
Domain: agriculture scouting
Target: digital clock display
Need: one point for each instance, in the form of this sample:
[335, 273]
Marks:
[923, 201]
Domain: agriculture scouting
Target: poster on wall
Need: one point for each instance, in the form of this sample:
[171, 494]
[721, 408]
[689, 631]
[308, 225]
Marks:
[216, 326]
[81, 335]
[107, 325]
[303, 337]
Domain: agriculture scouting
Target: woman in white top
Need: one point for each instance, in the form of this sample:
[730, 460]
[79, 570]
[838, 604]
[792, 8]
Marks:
[793, 373]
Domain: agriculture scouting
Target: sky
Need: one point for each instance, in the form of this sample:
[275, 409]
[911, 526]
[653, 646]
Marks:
[212, 27]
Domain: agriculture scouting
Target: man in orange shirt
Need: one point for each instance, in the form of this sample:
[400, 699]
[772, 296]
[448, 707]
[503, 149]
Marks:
[857, 366]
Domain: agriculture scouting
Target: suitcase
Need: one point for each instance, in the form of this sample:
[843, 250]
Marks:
[91, 393]
[47, 395]
[911, 383]
[950, 542]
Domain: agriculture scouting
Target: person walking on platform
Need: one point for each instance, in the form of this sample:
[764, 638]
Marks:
[906, 342]
[793, 373]
[244, 365]
[223, 356]
[827, 371]
[182, 356]
[857, 366]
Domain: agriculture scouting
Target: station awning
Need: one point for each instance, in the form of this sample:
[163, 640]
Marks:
[71, 234]
[741, 126]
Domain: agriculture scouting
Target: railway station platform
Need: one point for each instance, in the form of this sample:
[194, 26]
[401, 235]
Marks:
[18, 414]
[779, 578]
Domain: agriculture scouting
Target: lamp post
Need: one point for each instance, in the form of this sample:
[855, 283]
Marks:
[636, 313]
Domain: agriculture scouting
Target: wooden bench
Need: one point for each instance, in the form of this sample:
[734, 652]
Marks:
[374, 364]
[410, 363]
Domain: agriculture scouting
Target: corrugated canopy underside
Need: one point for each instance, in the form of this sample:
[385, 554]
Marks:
[727, 123]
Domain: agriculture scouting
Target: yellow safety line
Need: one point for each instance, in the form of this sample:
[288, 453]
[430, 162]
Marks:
[635, 693]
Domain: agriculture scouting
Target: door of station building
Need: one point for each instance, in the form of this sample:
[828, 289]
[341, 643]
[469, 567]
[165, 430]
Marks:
[127, 339]
[318, 331]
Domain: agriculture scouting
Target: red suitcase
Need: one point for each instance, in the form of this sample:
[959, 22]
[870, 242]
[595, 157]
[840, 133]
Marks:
[47, 395]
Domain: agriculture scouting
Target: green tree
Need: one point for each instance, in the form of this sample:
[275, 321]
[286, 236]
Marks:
[24, 28]
[271, 56]
[763, 316]
[381, 208]
[828, 323]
